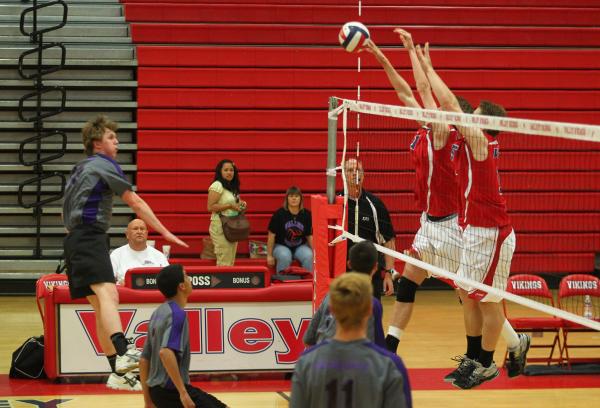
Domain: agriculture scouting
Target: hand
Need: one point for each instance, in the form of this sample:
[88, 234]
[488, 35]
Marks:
[270, 260]
[406, 38]
[148, 402]
[424, 57]
[186, 401]
[172, 238]
[371, 47]
[388, 285]
[243, 205]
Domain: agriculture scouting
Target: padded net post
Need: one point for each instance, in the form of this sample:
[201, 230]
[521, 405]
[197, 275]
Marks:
[330, 261]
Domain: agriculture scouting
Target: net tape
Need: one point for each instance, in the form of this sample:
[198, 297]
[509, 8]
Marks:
[436, 271]
[532, 127]
[565, 130]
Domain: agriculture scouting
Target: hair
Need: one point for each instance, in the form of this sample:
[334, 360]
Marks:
[350, 298]
[293, 190]
[93, 131]
[363, 257]
[465, 105]
[234, 184]
[169, 278]
[491, 109]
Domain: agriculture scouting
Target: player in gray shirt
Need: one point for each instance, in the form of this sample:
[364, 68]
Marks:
[362, 258]
[87, 211]
[349, 371]
[165, 362]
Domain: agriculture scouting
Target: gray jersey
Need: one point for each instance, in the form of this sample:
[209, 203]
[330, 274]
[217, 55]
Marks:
[322, 325]
[90, 190]
[168, 328]
[354, 374]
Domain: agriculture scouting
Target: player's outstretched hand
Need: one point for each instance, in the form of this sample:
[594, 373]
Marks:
[172, 238]
[370, 46]
[424, 57]
[406, 38]
[186, 401]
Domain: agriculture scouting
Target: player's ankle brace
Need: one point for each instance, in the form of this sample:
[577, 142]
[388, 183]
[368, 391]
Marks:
[407, 290]
[120, 343]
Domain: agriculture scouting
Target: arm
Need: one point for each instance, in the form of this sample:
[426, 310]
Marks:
[270, 246]
[169, 361]
[299, 397]
[448, 102]
[144, 370]
[388, 284]
[405, 94]
[144, 212]
[309, 241]
[423, 86]
[213, 206]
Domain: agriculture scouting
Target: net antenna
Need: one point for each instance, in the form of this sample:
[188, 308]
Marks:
[570, 131]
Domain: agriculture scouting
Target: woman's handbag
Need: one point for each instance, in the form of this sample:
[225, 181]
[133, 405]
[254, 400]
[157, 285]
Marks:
[235, 228]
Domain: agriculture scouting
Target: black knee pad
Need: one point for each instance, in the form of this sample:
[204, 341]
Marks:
[407, 290]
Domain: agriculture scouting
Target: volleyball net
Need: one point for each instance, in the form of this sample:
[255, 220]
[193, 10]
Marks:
[548, 172]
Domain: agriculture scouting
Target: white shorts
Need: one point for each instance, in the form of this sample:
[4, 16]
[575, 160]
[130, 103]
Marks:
[439, 243]
[487, 254]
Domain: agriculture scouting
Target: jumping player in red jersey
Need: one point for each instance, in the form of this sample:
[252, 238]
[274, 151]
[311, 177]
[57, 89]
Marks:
[488, 238]
[438, 241]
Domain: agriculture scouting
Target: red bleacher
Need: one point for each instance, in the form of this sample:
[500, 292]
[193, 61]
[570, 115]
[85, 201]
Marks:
[250, 82]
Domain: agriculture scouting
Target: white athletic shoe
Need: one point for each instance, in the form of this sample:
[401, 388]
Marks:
[128, 361]
[125, 382]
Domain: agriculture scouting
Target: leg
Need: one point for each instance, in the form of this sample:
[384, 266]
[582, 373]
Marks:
[411, 279]
[106, 300]
[283, 257]
[103, 337]
[224, 250]
[304, 255]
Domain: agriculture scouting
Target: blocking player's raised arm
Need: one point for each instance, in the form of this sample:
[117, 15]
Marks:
[448, 102]
[403, 90]
[421, 81]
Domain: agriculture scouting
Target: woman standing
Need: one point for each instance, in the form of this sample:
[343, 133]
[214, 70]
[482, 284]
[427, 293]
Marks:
[290, 233]
[223, 198]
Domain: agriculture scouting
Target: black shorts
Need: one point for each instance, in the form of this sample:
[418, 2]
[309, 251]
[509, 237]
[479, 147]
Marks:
[164, 398]
[87, 259]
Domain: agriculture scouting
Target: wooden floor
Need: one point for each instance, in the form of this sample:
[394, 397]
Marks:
[434, 335]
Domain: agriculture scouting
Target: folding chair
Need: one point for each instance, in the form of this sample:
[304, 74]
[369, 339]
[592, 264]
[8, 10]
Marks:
[571, 295]
[535, 288]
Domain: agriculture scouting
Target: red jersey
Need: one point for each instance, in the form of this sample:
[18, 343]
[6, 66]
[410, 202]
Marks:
[436, 190]
[481, 202]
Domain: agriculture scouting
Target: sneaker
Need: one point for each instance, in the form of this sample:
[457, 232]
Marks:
[476, 375]
[518, 358]
[128, 361]
[463, 365]
[125, 382]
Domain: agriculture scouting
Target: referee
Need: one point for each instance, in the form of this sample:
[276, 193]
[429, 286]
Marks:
[369, 219]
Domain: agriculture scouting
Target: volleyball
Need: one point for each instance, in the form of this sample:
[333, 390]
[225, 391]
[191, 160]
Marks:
[353, 36]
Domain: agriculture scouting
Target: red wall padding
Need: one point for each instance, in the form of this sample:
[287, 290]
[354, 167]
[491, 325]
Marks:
[328, 14]
[334, 57]
[294, 78]
[308, 35]
[220, 89]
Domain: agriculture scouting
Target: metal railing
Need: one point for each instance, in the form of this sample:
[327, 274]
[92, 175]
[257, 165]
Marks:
[36, 106]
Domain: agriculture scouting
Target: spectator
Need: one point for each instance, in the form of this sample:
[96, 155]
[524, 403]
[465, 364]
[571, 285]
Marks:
[136, 253]
[290, 233]
[224, 198]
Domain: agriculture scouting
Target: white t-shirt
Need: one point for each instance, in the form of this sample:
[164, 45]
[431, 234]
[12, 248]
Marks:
[125, 258]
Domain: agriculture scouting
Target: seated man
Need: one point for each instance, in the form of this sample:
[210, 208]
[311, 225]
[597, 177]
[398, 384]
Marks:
[136, 253]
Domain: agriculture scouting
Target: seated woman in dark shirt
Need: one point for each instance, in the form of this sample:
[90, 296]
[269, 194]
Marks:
[290, 233]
